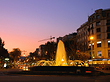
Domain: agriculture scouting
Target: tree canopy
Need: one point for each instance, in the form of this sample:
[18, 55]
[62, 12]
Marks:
[3, 51]
[75, 50]
[50, 50]
[15, 54]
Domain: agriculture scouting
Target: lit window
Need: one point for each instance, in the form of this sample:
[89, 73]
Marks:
[99, 53]
[92, 45]
[89, 46]
[99, 44]
[93, 55]
[109, 43]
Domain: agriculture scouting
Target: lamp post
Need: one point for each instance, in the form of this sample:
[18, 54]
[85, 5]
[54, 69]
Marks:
[91, 39]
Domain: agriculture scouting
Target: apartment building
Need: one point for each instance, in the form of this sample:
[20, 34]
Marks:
[95, 34]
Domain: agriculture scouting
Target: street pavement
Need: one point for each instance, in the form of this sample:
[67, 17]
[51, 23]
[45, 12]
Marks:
[4, 77]
[53, 78]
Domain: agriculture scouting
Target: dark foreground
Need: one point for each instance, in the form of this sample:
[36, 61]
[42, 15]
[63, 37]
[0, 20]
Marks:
[53, 78]
[16, 75]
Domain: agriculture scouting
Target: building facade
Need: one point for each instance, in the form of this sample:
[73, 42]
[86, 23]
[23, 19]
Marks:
[67, 37]
[95, 34]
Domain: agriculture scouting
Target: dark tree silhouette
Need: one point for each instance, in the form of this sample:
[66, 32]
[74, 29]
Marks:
[50, 50]
[15, 54]
[75, 50]
[3, 52]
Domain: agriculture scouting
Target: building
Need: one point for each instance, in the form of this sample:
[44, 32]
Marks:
[67, 37]
[95, 34]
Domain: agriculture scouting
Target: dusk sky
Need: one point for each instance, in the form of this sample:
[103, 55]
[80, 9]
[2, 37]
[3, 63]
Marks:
[24, 22]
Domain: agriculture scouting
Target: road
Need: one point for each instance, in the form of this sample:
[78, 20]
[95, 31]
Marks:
[51, 78]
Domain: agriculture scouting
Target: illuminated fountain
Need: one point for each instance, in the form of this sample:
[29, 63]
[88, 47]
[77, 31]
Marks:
[60, 65]
[61, 59]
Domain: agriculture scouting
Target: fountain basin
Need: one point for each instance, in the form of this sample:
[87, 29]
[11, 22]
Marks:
[61, 69]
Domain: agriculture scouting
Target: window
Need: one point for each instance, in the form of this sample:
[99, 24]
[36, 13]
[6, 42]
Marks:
[104, 14]
[109, 43]
[90, 54]
[92, 26]
[93, 56]
[108, 29]
[108, 22]
[97, 23]
[108, 53]
[98, 16]
[99, 53]
[89, 47]
[98, 30]
[108, 14]
[99, 36]
[90, 19]
[93, 17]
[92, 32]
[99, 44]
[93, 46]
[108, 35]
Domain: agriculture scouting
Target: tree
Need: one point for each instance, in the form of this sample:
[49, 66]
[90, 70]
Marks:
[82, 56]
[1, 43]
[15, 54]
[72, 46]
[3, 51]
[50, 50]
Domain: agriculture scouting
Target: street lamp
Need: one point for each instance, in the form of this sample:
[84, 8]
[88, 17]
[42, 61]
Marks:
[91, 39]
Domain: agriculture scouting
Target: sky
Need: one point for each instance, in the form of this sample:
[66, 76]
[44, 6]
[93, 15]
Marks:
[24, 22]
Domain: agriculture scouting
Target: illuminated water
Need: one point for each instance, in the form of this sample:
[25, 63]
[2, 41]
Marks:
[61, 59]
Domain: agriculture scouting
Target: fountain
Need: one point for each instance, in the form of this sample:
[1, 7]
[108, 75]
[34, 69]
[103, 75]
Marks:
[60, 64]
[61, 59]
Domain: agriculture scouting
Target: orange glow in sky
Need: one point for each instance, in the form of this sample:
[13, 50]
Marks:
[24, 22]
[24, 43]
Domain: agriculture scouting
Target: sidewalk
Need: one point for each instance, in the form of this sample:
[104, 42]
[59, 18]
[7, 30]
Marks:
[104, 71]
[10, 70]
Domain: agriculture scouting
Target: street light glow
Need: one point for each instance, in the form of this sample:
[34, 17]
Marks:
[91, 38]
